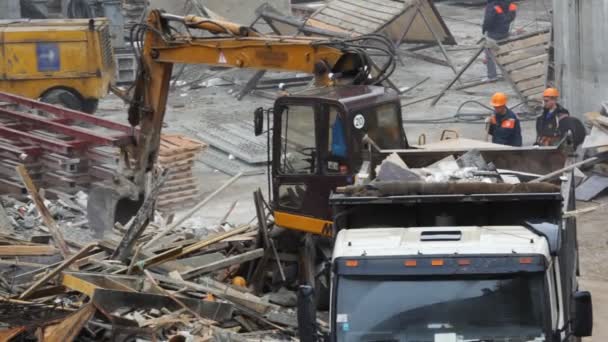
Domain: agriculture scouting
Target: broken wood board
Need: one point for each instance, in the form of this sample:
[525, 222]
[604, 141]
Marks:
[24, 250]
[110, 300]
[524, 62]
[226, 262]
[47, 218]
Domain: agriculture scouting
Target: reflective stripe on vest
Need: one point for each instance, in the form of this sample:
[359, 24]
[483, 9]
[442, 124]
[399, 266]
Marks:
[512, 7]
[499, 9]
[508, 123]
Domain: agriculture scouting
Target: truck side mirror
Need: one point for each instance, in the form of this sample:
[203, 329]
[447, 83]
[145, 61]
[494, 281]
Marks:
[582, 325]
[307, 319]
[258, 121]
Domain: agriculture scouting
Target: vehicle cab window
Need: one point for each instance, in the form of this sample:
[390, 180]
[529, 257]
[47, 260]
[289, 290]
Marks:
[298, 141]
[336, 159]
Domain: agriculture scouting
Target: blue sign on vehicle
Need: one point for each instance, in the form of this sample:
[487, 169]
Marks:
[48, 57]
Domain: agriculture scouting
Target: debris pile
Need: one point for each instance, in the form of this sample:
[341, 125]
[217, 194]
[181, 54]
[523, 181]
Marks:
[152, 284]
[470, 167]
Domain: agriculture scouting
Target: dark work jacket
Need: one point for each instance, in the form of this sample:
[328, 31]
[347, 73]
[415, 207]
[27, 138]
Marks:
[498, 18]
[547, 125]
[505, 129]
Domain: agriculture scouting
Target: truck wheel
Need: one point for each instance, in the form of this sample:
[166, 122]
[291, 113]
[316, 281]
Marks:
[308, 268]
[64, 98]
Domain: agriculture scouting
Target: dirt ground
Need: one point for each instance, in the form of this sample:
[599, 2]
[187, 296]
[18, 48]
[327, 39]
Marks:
[187, 107]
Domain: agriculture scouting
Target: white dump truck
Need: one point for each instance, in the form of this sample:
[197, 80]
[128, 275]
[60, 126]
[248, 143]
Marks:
[472, 260]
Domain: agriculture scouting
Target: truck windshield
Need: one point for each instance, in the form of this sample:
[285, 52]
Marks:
[440, 309]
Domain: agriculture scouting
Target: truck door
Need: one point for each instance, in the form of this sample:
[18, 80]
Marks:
[309, 161]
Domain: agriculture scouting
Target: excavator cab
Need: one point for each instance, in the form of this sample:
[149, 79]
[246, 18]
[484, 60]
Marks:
[317, 140]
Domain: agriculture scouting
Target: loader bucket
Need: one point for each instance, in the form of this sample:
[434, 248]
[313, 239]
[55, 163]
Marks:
[109, 204]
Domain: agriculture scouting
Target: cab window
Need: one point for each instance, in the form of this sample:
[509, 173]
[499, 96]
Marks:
[384, 126]
[298, 152]
[337, 152]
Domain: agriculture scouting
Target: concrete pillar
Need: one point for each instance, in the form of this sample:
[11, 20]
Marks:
[581, 54]
[10, 9]
[112, 10]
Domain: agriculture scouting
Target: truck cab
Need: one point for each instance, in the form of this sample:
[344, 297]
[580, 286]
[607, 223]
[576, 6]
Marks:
[455, 262]
[440, 284]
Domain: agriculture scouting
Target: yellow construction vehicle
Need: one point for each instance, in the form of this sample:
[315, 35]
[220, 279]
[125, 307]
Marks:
[65, 62]
[342, 68]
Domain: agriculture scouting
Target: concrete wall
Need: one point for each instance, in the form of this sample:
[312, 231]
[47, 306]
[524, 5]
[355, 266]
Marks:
[10, 9]
[240, 11]
[581, 53]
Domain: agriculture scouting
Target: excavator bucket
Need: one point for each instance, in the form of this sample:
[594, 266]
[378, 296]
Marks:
[109, 204]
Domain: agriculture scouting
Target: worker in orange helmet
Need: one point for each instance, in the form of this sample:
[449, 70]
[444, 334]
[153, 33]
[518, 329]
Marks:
[548, 131]
[498, 17]
[504, 125]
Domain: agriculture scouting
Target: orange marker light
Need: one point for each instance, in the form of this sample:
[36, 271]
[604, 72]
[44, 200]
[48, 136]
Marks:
[352, 263]
[410, 263]
[437, 262]
[464, 262]
[526, 260]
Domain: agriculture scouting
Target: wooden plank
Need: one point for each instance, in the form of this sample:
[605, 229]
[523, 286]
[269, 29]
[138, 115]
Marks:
[522, 63]
[10, 333]
[372, 7]
[534, 91]
[140, 222]
[355, 18]
[177, 195]
[527, 73]
[534, 83]
[220, 264]
[86, 283]
[522, 44]
[361, 29]
[223, 291]
[519, 55]
[324, 26]
[345, 6]
[523, 60]
[58, 269]
[47, 218]
[68, 329]
[205, 321]
[388, 5]
[27, 250]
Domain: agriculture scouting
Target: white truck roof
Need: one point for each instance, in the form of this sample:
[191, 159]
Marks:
[472, 240]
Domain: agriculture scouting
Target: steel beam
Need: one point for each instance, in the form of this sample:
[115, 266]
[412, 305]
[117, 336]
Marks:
[66, 113]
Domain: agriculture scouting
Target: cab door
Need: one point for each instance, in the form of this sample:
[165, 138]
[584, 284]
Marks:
[309, 161]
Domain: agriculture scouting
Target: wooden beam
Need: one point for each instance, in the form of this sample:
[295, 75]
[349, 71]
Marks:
[10, 333]
[68, 329]
[83, 252]
[140, 222]
[47, 218]
[220, 264]
[223, 291]
[22, 250]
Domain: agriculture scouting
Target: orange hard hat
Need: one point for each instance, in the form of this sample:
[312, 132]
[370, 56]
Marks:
[239, 281]
[499, 100]
[551, 92]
